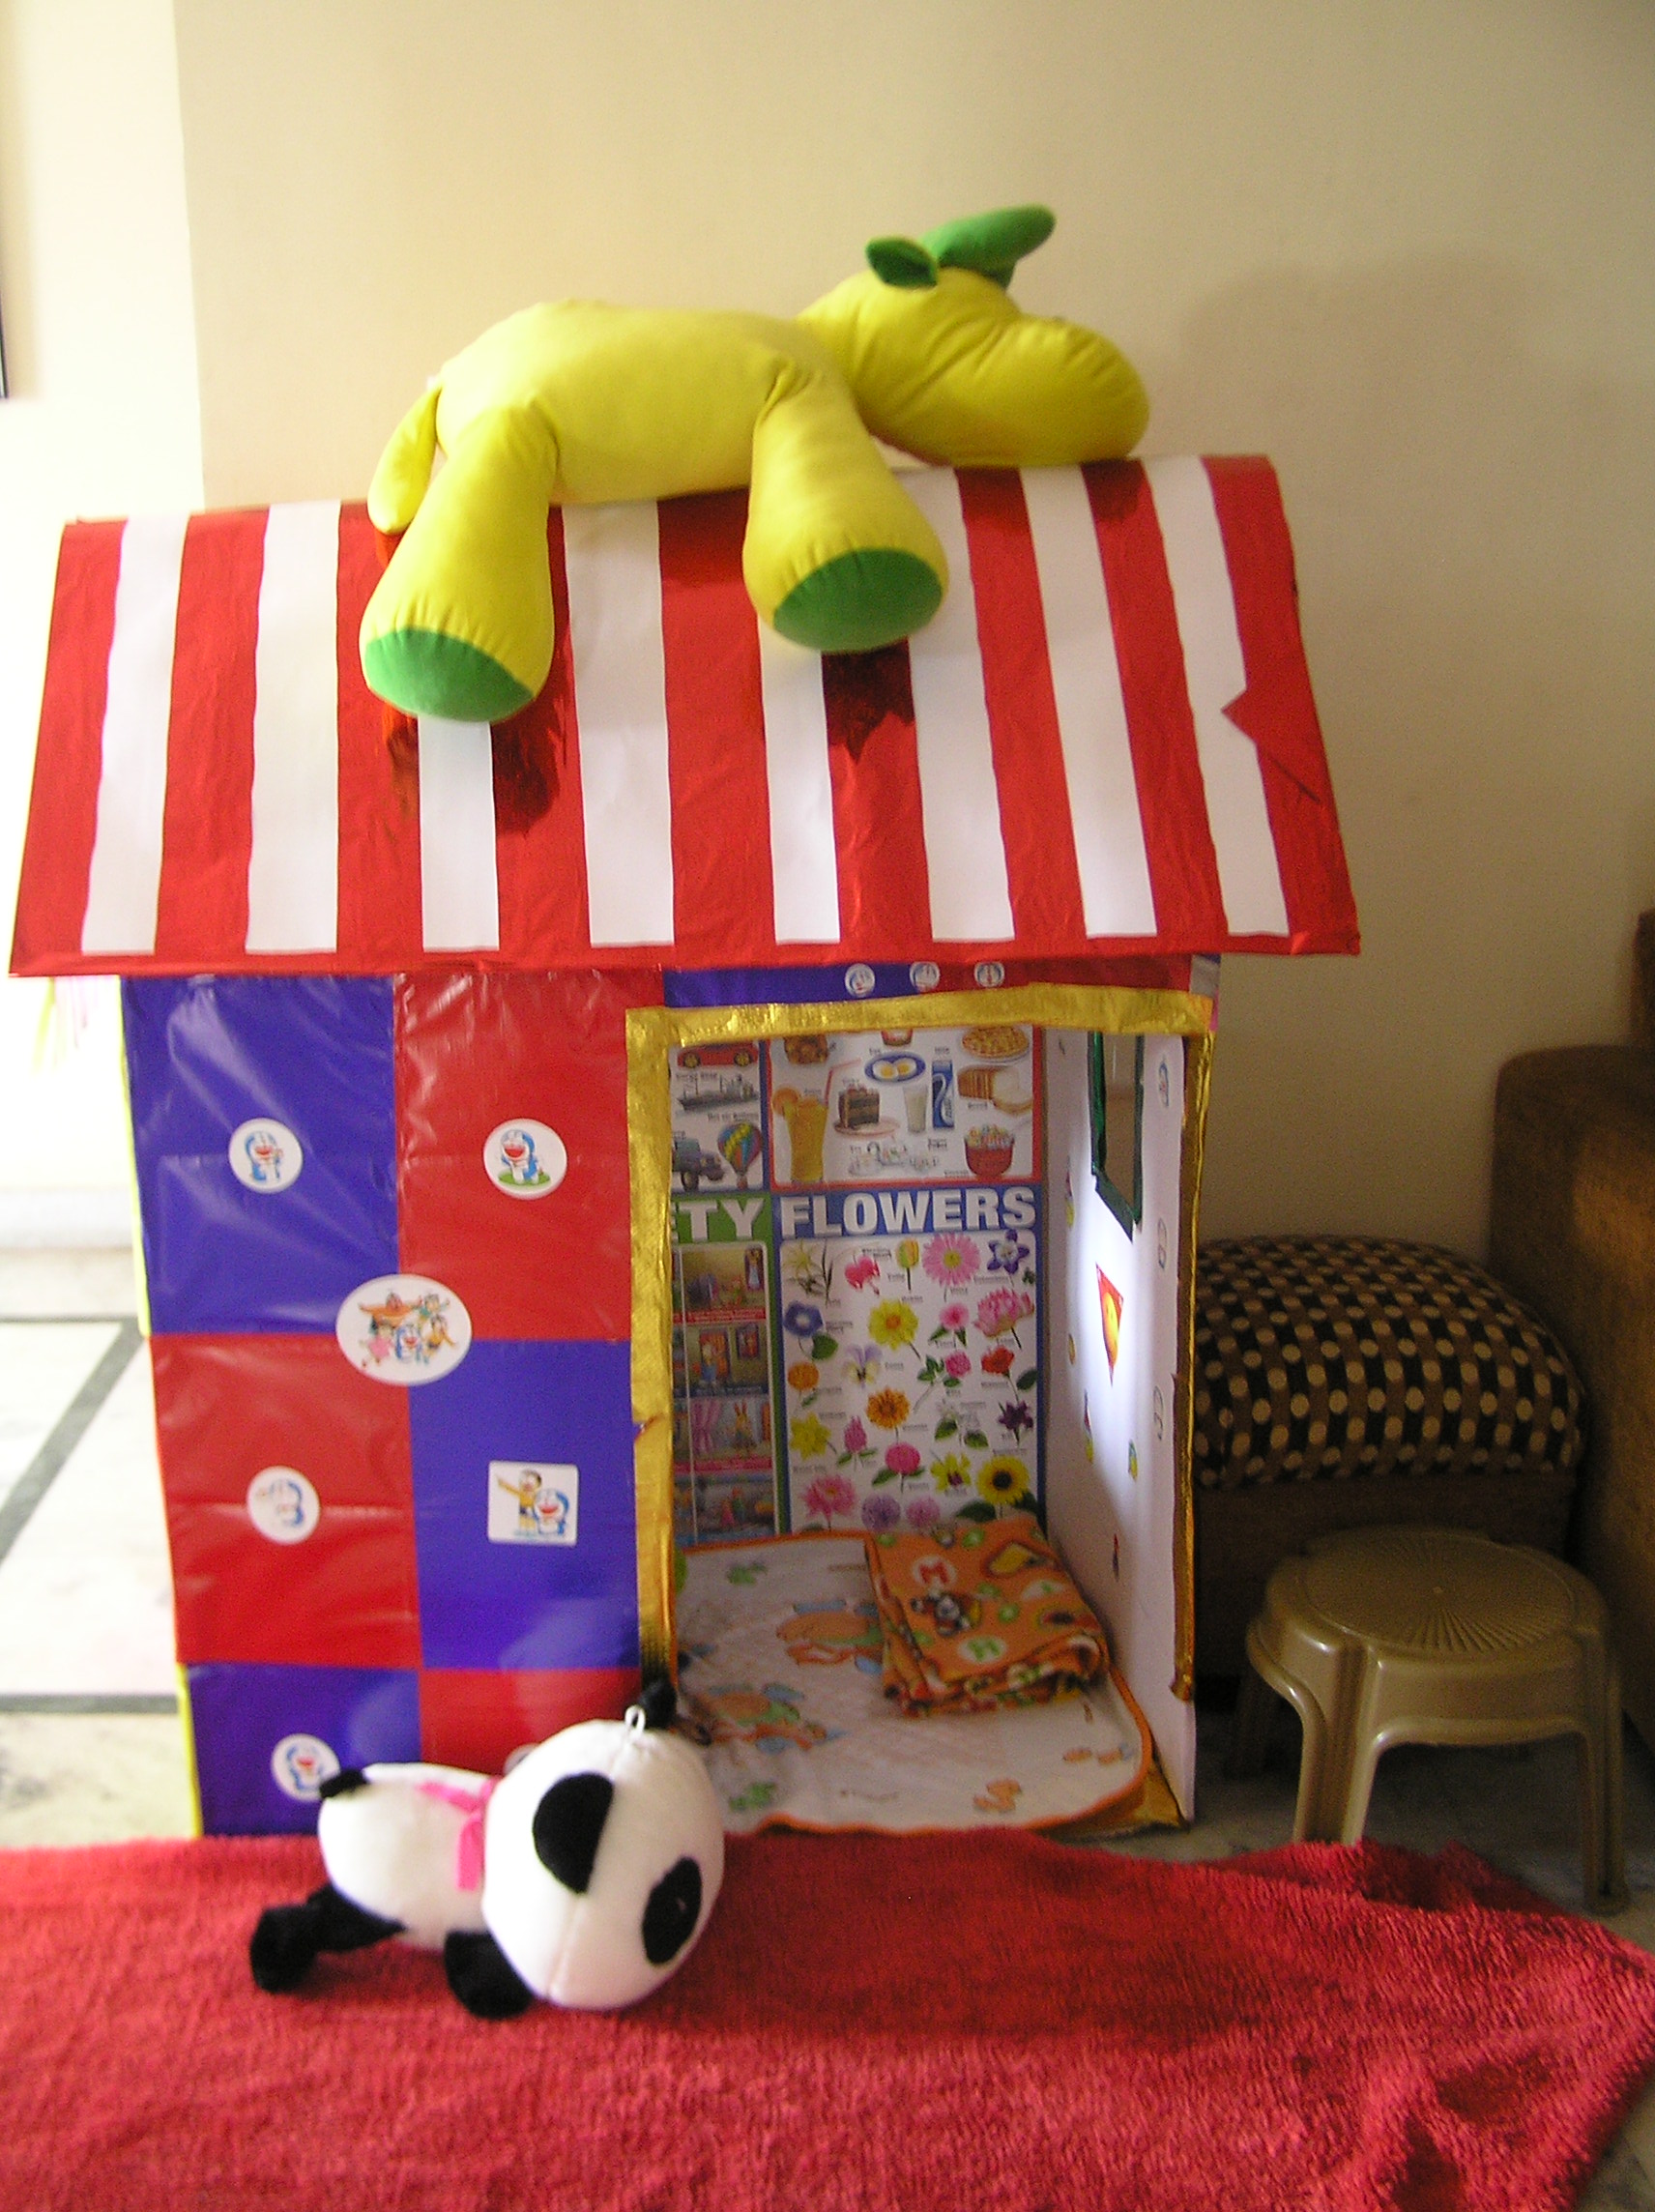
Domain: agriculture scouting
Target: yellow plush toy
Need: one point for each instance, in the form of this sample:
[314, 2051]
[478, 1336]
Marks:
[579, 403]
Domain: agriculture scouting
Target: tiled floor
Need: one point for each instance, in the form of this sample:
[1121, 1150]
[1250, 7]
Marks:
[90, 1745]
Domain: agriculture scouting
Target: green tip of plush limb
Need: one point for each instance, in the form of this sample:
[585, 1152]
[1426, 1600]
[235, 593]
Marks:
[902, 262]
[423, 672]
[991, 244]
[861, 602]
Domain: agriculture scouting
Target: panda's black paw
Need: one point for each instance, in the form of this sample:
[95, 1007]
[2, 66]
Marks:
[482, 1977]
[283, 1949]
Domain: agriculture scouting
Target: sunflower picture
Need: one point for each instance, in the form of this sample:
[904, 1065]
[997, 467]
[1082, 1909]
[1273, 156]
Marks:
[1003, 1479]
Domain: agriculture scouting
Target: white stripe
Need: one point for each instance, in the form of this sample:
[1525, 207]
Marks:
[1116, 896]
[124, 888]
[1249, 876]
[965, 852]
[612, 558]
[804, 859]
[459, 892]
[293, 870]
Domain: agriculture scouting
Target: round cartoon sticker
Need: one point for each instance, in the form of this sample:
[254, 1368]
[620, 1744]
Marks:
[925, 975]
[860, 979]
[265, 1156]
[301, 1764]
[282, 1506]
[403, 1329]
[525, 1159]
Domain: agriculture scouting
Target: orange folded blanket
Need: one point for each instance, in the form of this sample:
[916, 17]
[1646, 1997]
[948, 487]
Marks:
[981, 1614]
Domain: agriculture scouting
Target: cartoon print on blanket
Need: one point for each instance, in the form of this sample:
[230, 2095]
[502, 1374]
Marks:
[797, 1736]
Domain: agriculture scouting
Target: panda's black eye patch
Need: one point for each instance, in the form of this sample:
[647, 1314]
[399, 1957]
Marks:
[569, 1821]
[672, 1912]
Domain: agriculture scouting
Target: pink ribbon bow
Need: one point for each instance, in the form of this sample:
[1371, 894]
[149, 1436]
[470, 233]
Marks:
[474, 1803]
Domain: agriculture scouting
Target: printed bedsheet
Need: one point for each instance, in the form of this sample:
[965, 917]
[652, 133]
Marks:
[780, 1657]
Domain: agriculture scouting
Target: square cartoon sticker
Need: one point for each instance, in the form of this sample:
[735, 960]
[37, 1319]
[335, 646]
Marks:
[530, 1503]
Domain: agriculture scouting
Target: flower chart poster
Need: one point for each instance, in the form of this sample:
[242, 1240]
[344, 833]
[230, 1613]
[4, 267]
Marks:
[875, 1202]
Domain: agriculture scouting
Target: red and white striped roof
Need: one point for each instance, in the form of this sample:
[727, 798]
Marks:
[1105, 743]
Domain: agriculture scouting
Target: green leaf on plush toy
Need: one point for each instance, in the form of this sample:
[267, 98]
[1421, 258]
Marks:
[903, 262]
[991, 244]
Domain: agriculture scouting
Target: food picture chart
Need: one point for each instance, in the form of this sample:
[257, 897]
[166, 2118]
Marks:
[856, 1280]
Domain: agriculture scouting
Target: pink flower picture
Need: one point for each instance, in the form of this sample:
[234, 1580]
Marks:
[952, 1259]
[861, 1273]
[902, 1460]
[999, 1314]
[830, 1494]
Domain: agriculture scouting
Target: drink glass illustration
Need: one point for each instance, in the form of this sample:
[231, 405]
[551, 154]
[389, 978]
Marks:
[806, 1121]
[917, 1102]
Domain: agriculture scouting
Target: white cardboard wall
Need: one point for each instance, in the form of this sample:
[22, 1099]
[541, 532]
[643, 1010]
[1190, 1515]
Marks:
[1111, 1487]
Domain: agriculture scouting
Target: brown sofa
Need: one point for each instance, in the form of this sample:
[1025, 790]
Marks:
[1573, 1231]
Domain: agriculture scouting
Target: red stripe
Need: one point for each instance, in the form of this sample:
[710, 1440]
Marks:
[1034, 820]
[202, 915]
[1171, 796]
[379, 788]
[723, 909]
[1278, 711]
[873, 757]
[63, 811]
[539, 831]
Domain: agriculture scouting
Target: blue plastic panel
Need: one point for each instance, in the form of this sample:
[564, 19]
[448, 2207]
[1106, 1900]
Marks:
[792, 986]
[245, 1715]
[526, 1603]
[312, 1052]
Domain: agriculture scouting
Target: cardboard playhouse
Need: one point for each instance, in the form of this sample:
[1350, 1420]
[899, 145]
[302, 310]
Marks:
[749, 1093]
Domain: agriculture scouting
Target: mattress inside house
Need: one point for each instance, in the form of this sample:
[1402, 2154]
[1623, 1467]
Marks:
[779, 1677]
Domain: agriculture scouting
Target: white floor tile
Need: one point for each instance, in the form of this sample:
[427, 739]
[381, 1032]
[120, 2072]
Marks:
[42, 1365]
[86, 1590]
[73, 1281]
[92, 1779]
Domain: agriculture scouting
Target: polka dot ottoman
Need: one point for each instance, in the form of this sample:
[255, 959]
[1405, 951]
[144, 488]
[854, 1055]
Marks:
[1342, 1382]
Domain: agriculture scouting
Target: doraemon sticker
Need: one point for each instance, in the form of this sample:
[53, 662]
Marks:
[265, 1156]
[532, 1501]
[301, 1764]
[283, 1506]
[403, 1329]
[525, 1159]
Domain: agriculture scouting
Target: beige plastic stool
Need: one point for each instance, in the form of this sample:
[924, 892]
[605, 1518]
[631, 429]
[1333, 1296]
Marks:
[1384, 1636]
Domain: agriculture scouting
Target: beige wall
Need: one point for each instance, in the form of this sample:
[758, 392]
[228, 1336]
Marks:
[1409, 249]
[102, 420]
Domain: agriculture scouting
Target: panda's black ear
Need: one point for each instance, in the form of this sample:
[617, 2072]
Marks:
[569, 1821]
[658, 1700]
[342, 1785]
[482, 1977]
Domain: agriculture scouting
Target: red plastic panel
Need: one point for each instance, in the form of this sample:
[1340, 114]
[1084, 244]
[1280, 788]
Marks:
[474, 1053]
[478, 1718]
[346, 1594]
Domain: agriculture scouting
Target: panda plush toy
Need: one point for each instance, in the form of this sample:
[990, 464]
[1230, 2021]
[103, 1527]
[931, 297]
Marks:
[583, 1877]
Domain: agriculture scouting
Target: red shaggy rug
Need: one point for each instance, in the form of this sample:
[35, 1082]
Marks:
[937, 2022]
